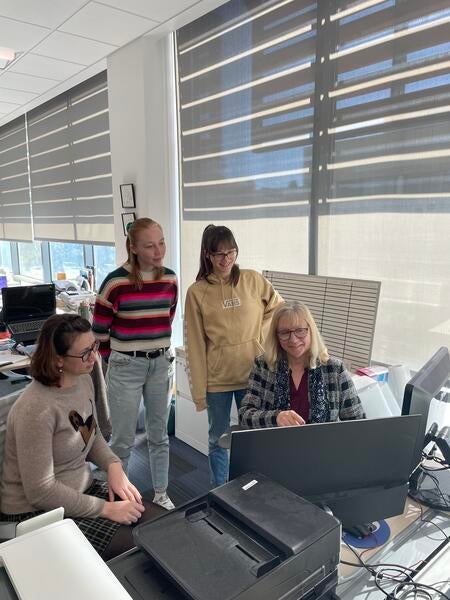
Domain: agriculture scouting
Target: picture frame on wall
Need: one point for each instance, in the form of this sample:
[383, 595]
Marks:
[127, 219]
[127, 195]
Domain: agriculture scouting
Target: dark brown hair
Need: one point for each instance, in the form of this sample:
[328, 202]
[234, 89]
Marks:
[133, 231]
[215, 236]
[55, 339]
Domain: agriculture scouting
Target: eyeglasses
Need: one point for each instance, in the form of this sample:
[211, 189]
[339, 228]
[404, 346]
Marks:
[87, 354]
[221, 255]
[300, 333]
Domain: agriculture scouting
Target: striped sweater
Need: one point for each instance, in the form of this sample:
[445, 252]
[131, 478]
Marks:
[126, 318]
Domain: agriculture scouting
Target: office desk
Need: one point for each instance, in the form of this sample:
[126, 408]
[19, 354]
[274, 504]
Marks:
[18, 361]
[412, 540]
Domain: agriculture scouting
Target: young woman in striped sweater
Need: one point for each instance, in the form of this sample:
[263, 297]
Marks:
[133, 318]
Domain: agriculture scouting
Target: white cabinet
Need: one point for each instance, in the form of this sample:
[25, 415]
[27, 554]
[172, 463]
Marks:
[191, 426]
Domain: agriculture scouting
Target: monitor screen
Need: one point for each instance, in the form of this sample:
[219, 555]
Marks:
[359, 469]
[420, 391]
[28, 302]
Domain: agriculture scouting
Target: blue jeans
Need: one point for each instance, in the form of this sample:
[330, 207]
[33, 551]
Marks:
[127, 379]
[219, 408]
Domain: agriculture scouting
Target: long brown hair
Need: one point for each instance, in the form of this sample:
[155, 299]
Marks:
[213, 237]
[133, 231]
[55, 338]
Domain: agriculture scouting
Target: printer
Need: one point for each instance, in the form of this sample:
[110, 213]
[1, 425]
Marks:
[250, 539]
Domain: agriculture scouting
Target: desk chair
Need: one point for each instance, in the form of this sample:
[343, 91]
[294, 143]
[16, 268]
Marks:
[11, 530]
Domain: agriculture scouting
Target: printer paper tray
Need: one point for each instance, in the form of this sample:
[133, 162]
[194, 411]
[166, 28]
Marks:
[187, 548]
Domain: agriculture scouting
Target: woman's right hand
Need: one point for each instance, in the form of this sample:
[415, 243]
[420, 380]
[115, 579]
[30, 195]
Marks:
[124, 512]
[288, 418]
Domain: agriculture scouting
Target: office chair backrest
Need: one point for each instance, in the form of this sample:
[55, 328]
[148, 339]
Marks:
[6, 403]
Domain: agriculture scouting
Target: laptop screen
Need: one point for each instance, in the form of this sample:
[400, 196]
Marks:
[28, 302]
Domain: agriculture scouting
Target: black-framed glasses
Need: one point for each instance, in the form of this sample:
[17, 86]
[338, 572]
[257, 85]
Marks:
[221, 255]
[87, 353]
[300, 333]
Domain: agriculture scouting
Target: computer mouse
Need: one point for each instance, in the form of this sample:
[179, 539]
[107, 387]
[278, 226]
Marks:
[361, 531]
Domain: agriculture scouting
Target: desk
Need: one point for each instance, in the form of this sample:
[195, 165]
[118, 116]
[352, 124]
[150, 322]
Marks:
[18, 361]
[412, 540]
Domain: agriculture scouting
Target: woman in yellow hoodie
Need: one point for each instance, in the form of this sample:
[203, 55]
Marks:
[227, 314]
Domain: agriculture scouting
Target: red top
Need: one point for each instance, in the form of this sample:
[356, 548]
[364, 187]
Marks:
[299, 397]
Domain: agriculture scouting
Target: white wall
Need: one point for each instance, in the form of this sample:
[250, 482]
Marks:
[142, 148]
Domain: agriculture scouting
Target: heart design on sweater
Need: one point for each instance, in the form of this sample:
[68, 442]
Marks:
[86, 428]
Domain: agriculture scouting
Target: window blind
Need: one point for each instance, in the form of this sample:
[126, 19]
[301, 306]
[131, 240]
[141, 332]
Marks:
[390, 95]
[15, 211]
[246, 76]
[246, 85]
[70, 164]
[385, 151]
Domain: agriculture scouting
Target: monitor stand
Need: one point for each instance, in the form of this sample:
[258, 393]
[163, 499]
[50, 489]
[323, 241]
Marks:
[432, 488]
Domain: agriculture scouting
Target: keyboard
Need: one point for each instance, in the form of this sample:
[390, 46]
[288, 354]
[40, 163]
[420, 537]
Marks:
[25, 326]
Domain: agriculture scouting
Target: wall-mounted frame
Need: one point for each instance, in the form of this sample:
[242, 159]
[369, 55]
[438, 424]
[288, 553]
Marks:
[127, 219]
[127, 195]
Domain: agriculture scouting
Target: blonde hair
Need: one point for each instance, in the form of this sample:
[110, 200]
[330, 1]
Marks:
[295, 312]
[134, 229]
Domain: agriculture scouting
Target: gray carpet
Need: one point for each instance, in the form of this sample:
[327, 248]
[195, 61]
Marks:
[188, 471]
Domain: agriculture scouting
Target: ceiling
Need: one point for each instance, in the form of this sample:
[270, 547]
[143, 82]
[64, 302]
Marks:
[63, 43]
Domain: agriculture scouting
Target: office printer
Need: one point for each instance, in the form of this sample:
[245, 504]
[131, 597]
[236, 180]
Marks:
[250, 539]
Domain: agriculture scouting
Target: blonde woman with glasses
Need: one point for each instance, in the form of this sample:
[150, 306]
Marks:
[295, 381]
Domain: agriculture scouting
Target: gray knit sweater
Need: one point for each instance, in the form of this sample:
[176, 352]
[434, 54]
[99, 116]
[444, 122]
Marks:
[51, 433]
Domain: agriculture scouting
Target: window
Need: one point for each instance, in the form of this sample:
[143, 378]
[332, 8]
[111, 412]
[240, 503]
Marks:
[319, 133]
[66, 258]
[5, 258]
[386, 212]
[70, 165]
[105, 262]
[246, 97]
[30, 260]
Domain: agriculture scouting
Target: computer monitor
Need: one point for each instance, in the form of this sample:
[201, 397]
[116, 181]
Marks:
[25, 308]
[430, 488]
[420, 391]
[28, 302]
[359, 469]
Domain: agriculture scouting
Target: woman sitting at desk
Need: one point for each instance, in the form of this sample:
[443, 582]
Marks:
[52, 432]
[295, 381]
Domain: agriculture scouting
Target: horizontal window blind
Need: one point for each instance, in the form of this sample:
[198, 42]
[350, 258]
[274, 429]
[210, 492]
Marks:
[385, 211]
[246, 97]
[389, 138]
[70, 165]
[15, 211]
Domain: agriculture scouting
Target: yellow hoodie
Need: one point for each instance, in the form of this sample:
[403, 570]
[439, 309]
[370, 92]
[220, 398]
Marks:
[225, 327]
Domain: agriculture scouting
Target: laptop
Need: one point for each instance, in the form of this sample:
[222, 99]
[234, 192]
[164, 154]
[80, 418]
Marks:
[25, 309]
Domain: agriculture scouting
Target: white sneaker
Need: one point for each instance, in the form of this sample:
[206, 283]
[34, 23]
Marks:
[162, 499]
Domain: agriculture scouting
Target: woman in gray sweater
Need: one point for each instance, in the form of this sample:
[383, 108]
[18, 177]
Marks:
[52, 433]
